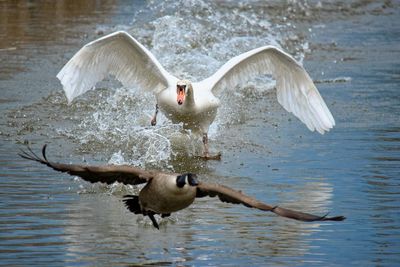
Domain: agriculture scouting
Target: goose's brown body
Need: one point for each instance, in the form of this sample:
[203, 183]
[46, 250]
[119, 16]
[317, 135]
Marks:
[165, 193]
[162, 196]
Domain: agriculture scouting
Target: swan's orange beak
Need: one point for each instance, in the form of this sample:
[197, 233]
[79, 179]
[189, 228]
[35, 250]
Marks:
[180, 98]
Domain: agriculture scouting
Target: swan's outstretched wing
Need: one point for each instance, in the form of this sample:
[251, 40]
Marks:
[118, 54]
[226, 194]
[105, 174]
[296, 91]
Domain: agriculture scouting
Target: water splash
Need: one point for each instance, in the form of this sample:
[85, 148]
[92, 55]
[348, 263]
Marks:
[191, 39]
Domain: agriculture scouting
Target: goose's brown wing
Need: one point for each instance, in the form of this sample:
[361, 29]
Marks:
[105, 174]
[226, 194]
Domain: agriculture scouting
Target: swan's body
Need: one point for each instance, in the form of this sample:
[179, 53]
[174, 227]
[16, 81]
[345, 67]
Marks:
[165, 193]
[194, 104]
[198, 110]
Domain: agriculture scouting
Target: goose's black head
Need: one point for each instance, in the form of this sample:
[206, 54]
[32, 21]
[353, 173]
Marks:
[187, 178]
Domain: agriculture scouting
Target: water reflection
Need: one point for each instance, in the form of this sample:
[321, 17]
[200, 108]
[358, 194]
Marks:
[382, 191]
[23, 23]
[29, 28]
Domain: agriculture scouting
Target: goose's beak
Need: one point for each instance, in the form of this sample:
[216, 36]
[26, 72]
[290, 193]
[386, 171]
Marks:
[180, 98]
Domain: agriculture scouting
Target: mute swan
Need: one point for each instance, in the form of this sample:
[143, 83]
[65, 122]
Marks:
[193, 104]
[165, 193]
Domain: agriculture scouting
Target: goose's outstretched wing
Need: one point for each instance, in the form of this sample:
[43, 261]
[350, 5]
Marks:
[226, 194]
[296, 91]
[105, 174]
[118, 54]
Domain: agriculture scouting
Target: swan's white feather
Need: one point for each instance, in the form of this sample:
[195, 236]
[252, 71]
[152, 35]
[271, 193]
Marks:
[296, 91]
[118, 54]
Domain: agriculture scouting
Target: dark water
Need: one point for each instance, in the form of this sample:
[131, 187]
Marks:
[351, 49]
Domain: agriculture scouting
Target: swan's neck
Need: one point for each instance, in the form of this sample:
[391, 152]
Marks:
[189, 98]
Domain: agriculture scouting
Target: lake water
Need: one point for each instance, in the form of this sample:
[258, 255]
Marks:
[351, 50]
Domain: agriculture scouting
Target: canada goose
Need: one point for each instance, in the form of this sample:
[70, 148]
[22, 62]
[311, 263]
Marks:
[165, 193]
[193, 104]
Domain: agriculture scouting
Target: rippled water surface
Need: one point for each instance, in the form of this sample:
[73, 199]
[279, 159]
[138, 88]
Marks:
[350, 50]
